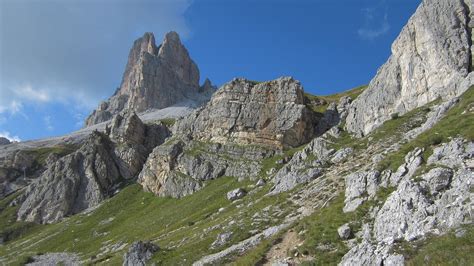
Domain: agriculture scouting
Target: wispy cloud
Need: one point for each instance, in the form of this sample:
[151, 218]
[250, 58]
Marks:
[58, 70]
[29, 93]
[7, 135]
[375, 22]
[47, 122]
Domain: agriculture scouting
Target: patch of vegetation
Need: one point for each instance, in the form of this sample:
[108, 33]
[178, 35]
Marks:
[320, 232]
[272, 162]
[41, 154]
[10, 229]
[446, 249]
[459, 121]
[346, 140]
[328, 99]
[321, 239]
[256, 256]
[169, 122]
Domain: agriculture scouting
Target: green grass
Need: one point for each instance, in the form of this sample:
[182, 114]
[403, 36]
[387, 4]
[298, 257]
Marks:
[457, 122]
[440, 250]
[271, 162]
[9, 228]
[169, 122]
[41, 154]
[320, 228]
[353, 93]
[138, 215]
[256, 255]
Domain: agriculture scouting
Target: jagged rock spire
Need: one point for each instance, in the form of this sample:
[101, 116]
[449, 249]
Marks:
[155, 77]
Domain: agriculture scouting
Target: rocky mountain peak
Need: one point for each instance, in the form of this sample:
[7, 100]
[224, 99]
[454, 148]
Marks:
[155, 77]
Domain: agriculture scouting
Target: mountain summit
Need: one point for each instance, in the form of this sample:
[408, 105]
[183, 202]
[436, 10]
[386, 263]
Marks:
[155, 77]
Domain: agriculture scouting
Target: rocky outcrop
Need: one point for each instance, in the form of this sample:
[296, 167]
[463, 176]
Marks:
[91, 174]
[430, 58]
[72, 184]
[236, 194]
[179, 167]
[430, 203]
[139, 253]
[360, 186]
[270, 113]
[4, 141]
[155, 77]
[67, 259]
[243, 123]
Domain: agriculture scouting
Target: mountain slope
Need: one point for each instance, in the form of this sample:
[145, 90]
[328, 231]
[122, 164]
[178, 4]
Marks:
[266, 174]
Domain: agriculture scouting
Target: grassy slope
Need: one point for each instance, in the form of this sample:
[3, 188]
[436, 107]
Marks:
[142, 216]
[321, 227]
[459, 121]
[353, 93]
[442, 250]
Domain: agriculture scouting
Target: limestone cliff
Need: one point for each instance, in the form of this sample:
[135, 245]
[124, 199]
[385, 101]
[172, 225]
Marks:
[91, 174]
[430, 59]
[243, 123]
[270, 113]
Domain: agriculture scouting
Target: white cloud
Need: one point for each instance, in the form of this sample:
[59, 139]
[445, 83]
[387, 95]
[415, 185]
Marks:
[12, 106]
[7, 135]
[79, 54]
[36, 95]
[375, 22]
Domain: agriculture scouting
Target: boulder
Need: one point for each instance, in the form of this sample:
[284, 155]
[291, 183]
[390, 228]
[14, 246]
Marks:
[360, 186]
[139, 253]
[236, 194]
[438, 179]
[344, 231]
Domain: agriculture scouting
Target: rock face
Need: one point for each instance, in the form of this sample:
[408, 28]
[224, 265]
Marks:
[213, 141]
[178, 167]
[155, 77]
[89, 175]
[245, 112]
[74, 183]
[430, 58]
[236, 194]
[430, 203]
[4, 141]
[139, 253]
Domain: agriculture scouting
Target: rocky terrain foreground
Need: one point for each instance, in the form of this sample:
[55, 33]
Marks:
[171, 172]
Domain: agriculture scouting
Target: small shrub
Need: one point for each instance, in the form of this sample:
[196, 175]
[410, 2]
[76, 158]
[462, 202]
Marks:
[435, 139]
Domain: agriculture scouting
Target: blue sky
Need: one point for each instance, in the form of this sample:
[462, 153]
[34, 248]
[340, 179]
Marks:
[59, 58]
